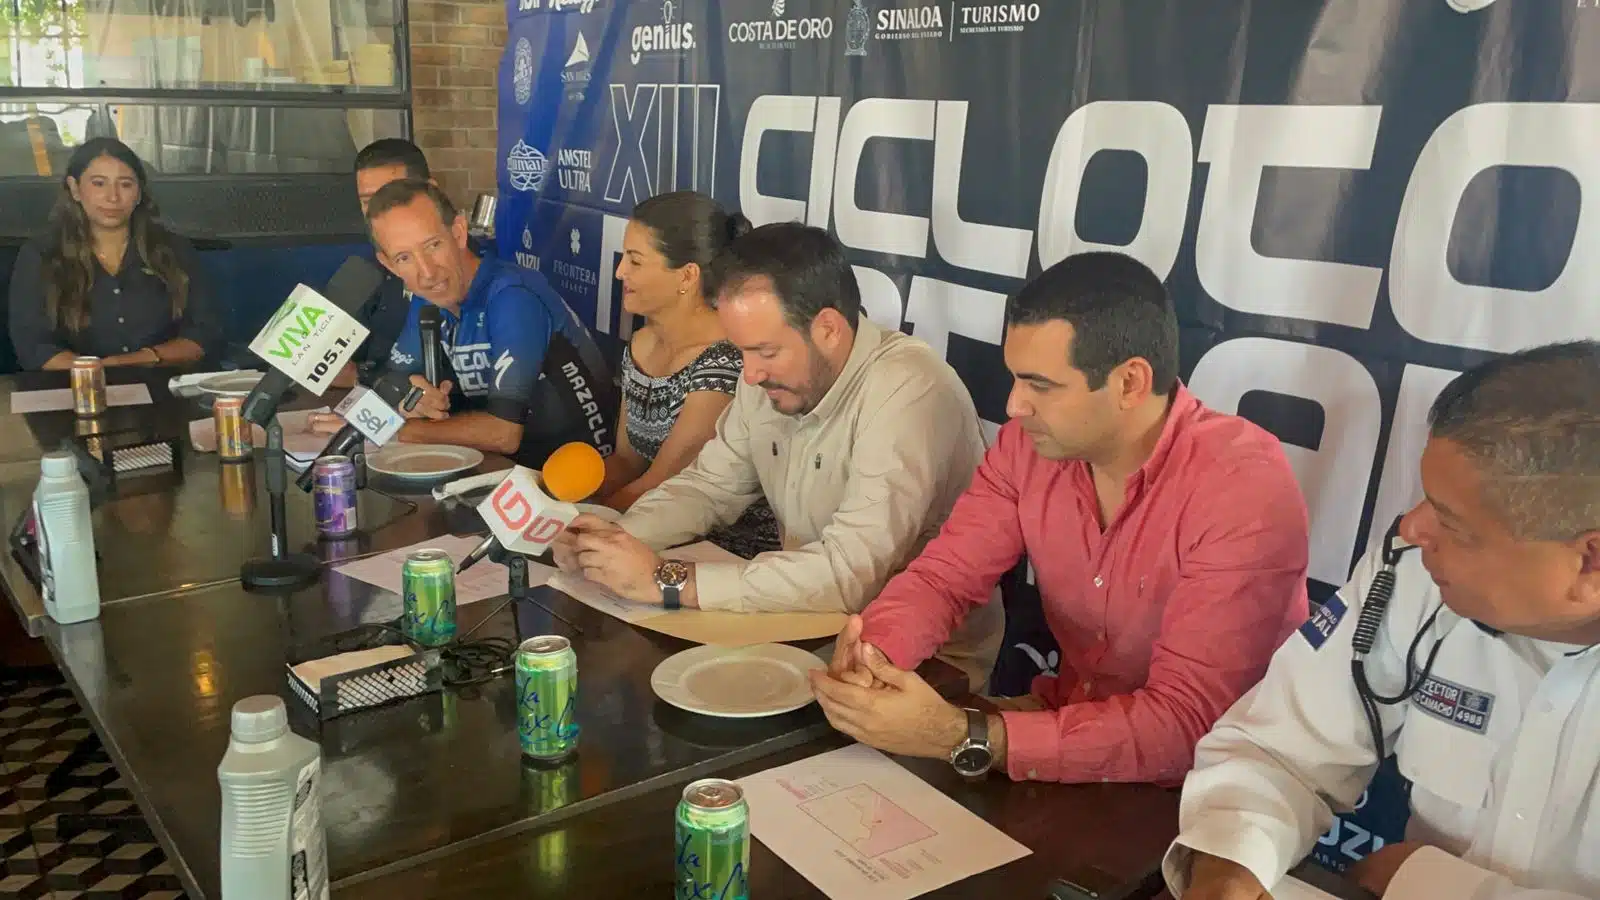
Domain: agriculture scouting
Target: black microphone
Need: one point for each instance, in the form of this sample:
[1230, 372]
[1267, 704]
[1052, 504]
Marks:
[428, 324]
[348, 289]
[393, 389]
[489, 545]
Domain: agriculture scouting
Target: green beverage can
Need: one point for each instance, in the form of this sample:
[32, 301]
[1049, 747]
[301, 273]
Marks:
[547, 698]
[713, 857]
[429, 579]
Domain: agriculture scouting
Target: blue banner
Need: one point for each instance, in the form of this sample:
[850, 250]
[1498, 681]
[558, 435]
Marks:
[1350, 200]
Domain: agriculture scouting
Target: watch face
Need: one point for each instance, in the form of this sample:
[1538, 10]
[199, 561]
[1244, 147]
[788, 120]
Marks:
[672, 573]
[972, 760]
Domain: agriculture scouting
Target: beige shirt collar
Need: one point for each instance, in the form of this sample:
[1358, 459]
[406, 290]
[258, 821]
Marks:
[867, 338]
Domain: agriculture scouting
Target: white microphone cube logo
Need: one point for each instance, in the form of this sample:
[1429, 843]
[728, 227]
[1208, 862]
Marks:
[309, 339]
[523, 518]
[375, 419]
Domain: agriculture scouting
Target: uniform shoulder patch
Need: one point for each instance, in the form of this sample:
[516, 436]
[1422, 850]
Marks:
[1324, 620]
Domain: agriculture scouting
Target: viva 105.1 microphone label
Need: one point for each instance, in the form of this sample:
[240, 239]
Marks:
[309, 339]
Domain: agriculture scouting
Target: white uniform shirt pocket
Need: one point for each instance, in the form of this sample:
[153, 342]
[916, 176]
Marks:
[1450, 769]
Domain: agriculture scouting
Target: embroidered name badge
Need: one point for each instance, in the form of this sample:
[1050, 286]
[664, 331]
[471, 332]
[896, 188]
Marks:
[1323, 622]
[1460, 706]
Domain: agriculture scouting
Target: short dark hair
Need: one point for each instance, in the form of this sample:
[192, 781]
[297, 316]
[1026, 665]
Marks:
[1118, 310]
[394, 152]
[690, 227]
[805, 264]
[400, 193]
[1531, 422]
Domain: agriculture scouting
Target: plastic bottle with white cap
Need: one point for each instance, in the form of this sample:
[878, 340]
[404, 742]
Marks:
[273, 843]
[68, 579]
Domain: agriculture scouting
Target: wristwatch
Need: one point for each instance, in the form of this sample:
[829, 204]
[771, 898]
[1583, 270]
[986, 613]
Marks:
[671, 576]
[972, 758]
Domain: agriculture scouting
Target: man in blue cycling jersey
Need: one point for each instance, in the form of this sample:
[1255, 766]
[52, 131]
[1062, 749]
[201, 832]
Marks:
[521, 375]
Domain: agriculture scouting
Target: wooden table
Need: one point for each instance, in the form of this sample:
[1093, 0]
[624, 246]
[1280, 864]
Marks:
[430, 797]
[156, 534]
[626, 849]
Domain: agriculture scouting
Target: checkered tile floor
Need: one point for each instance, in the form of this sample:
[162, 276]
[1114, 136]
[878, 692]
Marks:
[68, 827]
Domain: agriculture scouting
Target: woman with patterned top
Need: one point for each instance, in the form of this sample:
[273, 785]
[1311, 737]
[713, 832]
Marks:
[679, 371]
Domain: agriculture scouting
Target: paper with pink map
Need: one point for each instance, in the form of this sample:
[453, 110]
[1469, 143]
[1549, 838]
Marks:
[857, 824]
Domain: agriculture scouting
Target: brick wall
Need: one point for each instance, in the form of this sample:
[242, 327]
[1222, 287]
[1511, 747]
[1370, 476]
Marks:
[455, 52]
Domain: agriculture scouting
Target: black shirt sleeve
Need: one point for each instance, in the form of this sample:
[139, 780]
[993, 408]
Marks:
[32, 333]
[202, 321]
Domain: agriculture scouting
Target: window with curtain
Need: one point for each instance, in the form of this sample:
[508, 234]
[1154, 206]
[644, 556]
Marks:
[201, 86]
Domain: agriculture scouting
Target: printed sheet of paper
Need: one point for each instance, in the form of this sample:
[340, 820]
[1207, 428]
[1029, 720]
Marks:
[61, 398]
[718, 628]
[1291, 888]
[859, 826]
[298, 438]
[482, 581]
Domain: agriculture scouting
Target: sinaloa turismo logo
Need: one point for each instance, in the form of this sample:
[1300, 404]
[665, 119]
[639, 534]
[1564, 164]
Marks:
[778, 32]
[525, 167]
[995, 18]
[894, 23]
[671, 38]
[522, 71]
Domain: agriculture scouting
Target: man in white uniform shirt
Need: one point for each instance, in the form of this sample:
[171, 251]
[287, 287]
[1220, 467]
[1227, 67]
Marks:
[1498, 612]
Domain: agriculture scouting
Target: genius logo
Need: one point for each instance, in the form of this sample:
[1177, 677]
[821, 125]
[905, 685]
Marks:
[670, 36]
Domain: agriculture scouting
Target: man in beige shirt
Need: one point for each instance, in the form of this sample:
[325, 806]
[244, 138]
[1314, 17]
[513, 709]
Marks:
[861, 439]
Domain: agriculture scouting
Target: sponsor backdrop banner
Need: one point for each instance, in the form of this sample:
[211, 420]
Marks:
[1350, 200]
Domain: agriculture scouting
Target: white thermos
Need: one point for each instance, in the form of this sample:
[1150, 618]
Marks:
[67, 575]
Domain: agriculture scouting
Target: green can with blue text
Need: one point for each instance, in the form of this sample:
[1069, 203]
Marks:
[713, 842]
[428, 581]
[547, 698]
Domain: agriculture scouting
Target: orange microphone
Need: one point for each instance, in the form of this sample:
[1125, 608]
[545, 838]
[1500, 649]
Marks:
[573, 472]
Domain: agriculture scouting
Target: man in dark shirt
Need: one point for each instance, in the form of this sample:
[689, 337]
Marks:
[384, 314]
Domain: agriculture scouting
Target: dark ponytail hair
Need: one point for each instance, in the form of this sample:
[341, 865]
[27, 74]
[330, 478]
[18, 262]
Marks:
[690, 227]
[68, 256]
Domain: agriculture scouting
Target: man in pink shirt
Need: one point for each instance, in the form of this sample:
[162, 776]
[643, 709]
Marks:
[1169, 543]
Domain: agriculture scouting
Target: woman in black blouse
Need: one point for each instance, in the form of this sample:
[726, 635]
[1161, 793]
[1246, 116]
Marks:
[107, 279]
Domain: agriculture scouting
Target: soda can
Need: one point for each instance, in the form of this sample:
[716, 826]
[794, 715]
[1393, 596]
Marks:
[237, 487]
[547, 698]
[429, 584]
[88, 386]
[713, 842]
[233, 432]
[547, 788]
[333, 494]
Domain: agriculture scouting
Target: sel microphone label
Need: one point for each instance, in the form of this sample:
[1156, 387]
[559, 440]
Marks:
[309, 339]
[375, 419]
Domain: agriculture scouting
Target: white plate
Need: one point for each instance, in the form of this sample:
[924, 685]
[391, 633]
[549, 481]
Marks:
[595, 509]
[737, 682]
[233, 384]
[423, 460]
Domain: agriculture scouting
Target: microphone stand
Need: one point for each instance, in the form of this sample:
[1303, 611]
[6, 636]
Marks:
[282, 569]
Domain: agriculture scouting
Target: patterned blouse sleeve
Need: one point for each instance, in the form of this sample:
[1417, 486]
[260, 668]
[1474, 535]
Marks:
[717, 369]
